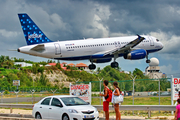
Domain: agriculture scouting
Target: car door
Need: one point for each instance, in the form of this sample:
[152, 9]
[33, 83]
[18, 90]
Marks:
[56, 109]
[44, 108]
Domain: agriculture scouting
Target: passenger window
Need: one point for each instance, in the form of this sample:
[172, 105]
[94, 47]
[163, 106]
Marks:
[55, 102]
[46, 101]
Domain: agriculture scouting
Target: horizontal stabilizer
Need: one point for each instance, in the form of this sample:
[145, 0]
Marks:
[38, 48]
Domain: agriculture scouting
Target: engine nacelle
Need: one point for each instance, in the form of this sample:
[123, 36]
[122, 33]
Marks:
[136, 54]
[102, 60]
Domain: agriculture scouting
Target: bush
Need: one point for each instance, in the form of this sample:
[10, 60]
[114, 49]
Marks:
[6, 92]
[2, 69]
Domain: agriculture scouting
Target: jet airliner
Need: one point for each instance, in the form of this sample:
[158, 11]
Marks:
[99, 50]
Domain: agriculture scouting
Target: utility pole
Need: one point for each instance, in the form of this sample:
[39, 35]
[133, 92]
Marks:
[172, 102]
[16, 92]
[77, 80]
[159, 86]
[133, 88]
[100, 87]
[53, 91]
[32, 91]
[2, 96]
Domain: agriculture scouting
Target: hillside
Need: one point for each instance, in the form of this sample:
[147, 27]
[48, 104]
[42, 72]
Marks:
[54, 77]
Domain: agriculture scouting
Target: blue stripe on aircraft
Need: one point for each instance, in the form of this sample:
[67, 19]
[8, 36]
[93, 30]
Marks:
[97, 56]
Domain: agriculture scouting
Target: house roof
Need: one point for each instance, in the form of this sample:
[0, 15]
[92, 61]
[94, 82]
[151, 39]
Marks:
[71, 64]
[81, 65]
[64, 63]
[54, 64]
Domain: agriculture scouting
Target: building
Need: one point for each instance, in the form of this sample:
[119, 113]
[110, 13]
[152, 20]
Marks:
[71, 65]
[153, 70]
[54, 64]
[82, 66]
[23, 64]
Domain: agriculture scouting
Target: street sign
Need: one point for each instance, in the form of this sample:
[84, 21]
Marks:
[175, 88]
[16, 82]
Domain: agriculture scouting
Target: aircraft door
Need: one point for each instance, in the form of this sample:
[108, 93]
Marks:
[57, 49]
[151, 41]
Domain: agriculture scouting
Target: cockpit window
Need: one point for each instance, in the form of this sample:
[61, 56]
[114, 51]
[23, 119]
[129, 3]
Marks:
[157, 40]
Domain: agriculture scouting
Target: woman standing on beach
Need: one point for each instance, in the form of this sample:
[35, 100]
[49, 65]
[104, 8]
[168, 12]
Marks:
[116, 92]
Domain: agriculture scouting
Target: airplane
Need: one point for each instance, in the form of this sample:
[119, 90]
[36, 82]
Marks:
[98, 50]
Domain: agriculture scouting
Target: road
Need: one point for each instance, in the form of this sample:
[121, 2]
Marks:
[20, 99]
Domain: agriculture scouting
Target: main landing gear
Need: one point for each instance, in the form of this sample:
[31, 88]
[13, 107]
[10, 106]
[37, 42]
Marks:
[114, 64]
[92, 66]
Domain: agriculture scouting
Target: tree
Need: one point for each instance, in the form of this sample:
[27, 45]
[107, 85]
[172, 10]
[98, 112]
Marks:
[98, 70]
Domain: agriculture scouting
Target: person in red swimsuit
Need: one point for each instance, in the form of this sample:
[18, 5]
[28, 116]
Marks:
[105, 103]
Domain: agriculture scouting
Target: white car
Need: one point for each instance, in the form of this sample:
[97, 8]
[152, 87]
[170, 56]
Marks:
[64, 107]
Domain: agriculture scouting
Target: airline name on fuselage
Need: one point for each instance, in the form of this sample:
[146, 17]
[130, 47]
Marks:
[69, 44]
[34, 36]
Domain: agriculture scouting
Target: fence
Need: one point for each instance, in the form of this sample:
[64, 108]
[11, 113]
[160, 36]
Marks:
[125, 85]
[148, 108]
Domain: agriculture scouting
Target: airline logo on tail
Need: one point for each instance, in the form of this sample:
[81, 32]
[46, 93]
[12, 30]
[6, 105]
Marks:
[34, 36]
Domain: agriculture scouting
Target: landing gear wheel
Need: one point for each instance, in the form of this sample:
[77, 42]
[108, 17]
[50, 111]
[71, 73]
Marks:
[114, 64]
[65, 117]
[148, 61]
[92, 66]
[38, 116]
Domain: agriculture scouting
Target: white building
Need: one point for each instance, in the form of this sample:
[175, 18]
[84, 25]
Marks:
[22, 64]
[153, 70]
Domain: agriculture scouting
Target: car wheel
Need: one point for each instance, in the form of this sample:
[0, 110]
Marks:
[38, 116]
[65, 117]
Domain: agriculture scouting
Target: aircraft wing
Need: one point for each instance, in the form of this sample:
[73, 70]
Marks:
[38, 48]
[126, 47]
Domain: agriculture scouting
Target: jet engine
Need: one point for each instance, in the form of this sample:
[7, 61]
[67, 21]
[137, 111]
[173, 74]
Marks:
[136, 54]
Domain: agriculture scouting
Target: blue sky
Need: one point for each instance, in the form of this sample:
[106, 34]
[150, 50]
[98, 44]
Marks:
[77, 19]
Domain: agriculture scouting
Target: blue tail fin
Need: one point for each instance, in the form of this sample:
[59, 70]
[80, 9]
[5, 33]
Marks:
[32, 33]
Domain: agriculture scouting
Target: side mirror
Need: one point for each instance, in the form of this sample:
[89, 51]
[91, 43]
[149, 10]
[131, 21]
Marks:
[59, 105]
[88, 103]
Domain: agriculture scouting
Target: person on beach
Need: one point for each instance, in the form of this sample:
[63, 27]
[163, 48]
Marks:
[105, 103]
[116, 92]
[177, 113]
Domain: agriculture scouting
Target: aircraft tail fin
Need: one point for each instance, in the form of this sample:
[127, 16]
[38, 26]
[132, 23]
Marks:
[32, 33]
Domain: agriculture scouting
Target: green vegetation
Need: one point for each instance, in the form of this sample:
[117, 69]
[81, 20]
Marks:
[10, 72]
[139, 101]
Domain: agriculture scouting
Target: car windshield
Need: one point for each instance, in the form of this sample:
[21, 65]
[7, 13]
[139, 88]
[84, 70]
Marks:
[72, 101]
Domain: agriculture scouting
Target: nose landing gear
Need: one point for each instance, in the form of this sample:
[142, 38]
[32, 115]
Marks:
[147, 60]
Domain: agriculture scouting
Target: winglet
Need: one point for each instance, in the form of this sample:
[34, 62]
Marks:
[139, 37]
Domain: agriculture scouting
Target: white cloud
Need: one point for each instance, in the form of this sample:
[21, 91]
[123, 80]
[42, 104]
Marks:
[8, 34]
[58, 22]
[171, 42]
[167, 69]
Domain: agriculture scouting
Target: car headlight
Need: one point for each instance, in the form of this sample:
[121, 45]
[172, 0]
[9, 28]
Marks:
[73, 111]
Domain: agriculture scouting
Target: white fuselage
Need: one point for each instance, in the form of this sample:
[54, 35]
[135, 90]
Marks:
[89, 48]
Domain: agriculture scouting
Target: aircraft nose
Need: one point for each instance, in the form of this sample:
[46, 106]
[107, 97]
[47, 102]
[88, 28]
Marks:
[162, 45]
